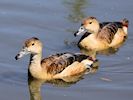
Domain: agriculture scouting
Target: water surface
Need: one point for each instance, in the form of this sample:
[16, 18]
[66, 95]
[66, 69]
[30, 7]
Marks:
[54, 22]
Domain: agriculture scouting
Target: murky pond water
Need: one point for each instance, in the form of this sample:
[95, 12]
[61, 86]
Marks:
[54, 22]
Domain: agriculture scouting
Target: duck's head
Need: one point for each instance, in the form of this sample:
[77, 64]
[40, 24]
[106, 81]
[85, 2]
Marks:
[31, 46]
[89, 24]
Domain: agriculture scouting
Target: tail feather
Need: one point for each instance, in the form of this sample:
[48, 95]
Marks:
[125, 22]
[79, 57]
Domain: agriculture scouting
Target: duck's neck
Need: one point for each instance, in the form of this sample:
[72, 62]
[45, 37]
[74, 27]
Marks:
[36, 59]
[35, 65]
[95, 30]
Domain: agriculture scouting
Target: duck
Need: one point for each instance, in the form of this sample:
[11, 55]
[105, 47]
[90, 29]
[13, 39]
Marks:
[54, 66]
[101, 36]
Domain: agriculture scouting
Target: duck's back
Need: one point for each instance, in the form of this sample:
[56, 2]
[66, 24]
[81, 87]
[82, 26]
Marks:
[119, 24]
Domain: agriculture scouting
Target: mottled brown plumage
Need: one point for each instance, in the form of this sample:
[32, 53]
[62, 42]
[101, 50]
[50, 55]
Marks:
[54, 64]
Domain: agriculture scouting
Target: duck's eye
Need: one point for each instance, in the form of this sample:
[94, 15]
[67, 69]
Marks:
[33, 44]
[90, 22]
[81, 28]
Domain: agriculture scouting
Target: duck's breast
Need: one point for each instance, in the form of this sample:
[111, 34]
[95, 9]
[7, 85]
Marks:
[93, 43]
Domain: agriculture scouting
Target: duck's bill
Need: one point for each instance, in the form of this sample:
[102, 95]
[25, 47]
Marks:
[22, 53]
[81, 31]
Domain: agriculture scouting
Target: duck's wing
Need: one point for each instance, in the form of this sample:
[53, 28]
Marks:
[107, 32]
[119, 24]
[103, 24]
[55, 64]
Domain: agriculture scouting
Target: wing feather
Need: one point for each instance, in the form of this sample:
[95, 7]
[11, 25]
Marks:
[107, 32]
[55, 64]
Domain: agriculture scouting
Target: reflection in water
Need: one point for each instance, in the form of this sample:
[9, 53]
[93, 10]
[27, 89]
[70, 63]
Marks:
[93, 53]
[76, 9]
[35, 88]
[75, 14]
[35, 84]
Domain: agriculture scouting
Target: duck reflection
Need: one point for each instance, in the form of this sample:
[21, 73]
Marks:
[76, 9]
[35, 84]
[75, 15]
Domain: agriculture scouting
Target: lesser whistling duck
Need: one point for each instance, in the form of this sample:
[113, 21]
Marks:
[55, 66]
[100, 36]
